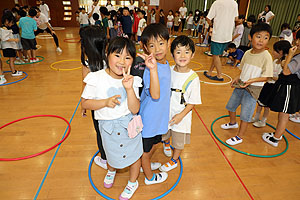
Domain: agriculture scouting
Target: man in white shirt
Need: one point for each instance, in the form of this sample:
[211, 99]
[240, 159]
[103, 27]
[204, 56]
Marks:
[183, 11]
[45, 26]
[224, 13]
[93, 9]
[44, 8]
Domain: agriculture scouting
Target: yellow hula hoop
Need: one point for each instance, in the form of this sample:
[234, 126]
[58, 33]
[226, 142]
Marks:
[57, 69]
[199, 68]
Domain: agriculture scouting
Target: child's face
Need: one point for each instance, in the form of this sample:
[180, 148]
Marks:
[276, 55]
[182, 56]
[298, 18]
[170, 13]
[159, 48]
[140, 15]
[119, 61]
[125, 12]
[260, 40]
[8, 24]
[231, 50]
[297, 42]
[83, 11]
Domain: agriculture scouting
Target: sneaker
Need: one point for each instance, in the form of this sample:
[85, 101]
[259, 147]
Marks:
[17, 73]
[203, 45]
[58, 50]
[31, 60]
[35, 60]
[100, 162]
[172, 164]
[109, 179]
[234, 140]
[21, 61]
[175, 36]
[17, 62]
[190, 36]
[229, 62]
[259, 124]
[198, 44]
[159, 178]
[295, 118]
[26, 59]
[254, 119]
[167, 149]
[2, 80]
[229, 126]
[154, 166]
[269, 138]
[129, 191]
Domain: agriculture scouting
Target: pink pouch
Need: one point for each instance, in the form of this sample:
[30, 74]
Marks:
[135, 126]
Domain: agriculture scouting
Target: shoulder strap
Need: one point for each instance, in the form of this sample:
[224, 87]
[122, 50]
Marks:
[188, 81]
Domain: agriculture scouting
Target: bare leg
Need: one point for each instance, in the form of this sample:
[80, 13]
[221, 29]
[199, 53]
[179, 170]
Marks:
[1, 71]
[266, 112]
[242, 129]
[212, 66]
[29, 56]
[146, 163]
[218, 65]
[232, 116]
[176, 153]
[135, 171]
[110, 168]
[283, 118]
[33, 54]
[12, 64]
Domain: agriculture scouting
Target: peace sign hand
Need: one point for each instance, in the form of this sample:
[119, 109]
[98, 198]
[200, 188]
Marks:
[150, 61]
[127, 80]
[113, 101]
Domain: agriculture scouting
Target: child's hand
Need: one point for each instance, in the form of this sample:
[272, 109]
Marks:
[127, 80]
[83, 112]
[176, 119]
[292, 51]
[113, 101]
[16, 40]
[234, 81]
[150, 61]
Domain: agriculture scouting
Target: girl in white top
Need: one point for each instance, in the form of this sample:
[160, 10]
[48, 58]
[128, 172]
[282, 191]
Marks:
[170, 18]
[153, 16]
[144, 7]
[114, 95]
[131, 6]
[267, 15]
[109, 6]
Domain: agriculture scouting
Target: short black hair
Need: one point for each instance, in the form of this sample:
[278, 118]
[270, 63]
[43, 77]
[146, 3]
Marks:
[95, 16]
[22, 13]
[261, 27]
[143, 12]
[269, 7]
[285, 26]
[298, 35]
[191, 12]
[104, 11]
[32, 12]
[282, 45]
[241, 16]
[118, 44]
[7, 17]
[154, 30]
[125, 8]
[251, 18]
[231, 46]
[183, 40]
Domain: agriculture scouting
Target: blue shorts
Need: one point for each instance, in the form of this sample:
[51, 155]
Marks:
[218, 48]
[139, 38]
[248, 103]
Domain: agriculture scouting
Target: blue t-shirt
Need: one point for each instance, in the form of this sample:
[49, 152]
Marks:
[127, 24]
[28, 26]
[155, 112]
[238, 54]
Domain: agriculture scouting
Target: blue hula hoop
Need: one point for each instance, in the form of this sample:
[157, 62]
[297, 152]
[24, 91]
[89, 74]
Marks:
[156, 198]
[26, 75]
[292, 134]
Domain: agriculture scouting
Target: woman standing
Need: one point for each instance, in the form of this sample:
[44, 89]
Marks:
[183, 11]
[267, 15]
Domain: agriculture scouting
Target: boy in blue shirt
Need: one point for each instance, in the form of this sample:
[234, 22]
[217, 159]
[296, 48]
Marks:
[28, 26]
[235, 55]
[126, 22]
[155, 98]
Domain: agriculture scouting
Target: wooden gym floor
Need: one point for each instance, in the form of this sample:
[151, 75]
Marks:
[209, 172]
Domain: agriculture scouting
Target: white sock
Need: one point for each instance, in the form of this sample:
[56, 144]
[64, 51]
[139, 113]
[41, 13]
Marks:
[263, 119]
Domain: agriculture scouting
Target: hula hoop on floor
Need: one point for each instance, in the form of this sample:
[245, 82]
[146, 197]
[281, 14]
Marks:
[245, 153]
[292, 134]
[211, 83]
[26, 75]
[40, 60]
[44, 36]
[72, 40]
[57, 69]
[39, 153]
[58, 28]
[156, 198]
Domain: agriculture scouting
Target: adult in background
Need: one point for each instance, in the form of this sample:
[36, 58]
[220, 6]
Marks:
[44, 8]
[224, 13]
[266, 16]
[183, 11]
[94, 8]
[43, 26]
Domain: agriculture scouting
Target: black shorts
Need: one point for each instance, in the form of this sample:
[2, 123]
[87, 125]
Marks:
[28, 44]
[176, 28]
[9, 53]
[149, 142]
